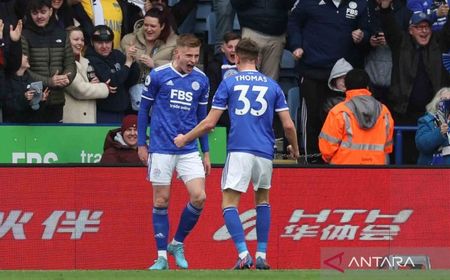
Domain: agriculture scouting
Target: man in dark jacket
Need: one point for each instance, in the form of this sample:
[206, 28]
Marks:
[221, 67]
[417, 70]
[121, 143]
[320, 33]
[117, 68]
[50, 54]
[10, 31]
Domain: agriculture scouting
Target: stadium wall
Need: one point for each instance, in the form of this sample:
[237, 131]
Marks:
[100, 217]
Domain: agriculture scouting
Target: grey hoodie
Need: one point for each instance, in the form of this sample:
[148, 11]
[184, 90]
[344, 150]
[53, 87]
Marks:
[340, 68]
[366, 110]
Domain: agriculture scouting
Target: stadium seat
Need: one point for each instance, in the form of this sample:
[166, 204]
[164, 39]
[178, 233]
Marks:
[172, 3]
[236, 25]
[204, 9]
[297, 110]
[288, 77]
[211, 28]
[293, 100]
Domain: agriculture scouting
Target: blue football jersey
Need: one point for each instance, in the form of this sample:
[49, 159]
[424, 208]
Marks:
[179, 103]
[252, 100]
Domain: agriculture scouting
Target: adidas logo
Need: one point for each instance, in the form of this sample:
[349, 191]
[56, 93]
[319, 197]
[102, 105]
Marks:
[159, 235]
[169, 83]
[322, 2]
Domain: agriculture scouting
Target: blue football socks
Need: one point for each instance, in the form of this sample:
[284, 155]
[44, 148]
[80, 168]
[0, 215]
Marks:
[161, 227]
[188, 220]
[262, 227]
[234, 226]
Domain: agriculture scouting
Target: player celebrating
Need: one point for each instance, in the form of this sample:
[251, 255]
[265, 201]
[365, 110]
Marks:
[178, 93]
[251, 99]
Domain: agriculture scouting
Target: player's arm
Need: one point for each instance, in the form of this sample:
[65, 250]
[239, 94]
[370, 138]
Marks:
[290, 132]
[204, 145]
[201, 115]
[147, 100]
[205, 126]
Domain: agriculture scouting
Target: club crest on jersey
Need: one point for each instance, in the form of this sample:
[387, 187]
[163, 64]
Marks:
[147, 80]
[195, 85]
[229, 73]
[351, 12]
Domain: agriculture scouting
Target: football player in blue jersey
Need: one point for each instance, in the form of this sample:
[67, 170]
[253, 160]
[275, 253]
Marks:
[252, 99]
[177, 93]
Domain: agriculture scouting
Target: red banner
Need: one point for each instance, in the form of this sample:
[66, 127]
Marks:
[100, 218]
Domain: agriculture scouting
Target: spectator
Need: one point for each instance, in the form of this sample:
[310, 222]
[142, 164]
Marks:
[336, 84]
[319, 35]
[113, 66]
[265, 21]
[437, 11]
[50, 54]
[417, 71]
[20, 106]
[2, 72]
[116, 14]
[10, 32]
[223, 66]
[149, 4]
[224, 21]
[432, 136]
[121, 143]
[63, 13]
[154, 42]
[82, 93]
[358, 130]
[378, 62]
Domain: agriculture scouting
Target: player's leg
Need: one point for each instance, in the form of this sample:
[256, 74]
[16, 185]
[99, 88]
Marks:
[235, 180]
[261, 178]
[190, 170]
[160, 175]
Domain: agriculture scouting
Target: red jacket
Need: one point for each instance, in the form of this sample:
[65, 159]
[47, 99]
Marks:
[358, 130]
[116, 151]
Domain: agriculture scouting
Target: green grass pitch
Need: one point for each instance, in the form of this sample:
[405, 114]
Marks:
[223, 274]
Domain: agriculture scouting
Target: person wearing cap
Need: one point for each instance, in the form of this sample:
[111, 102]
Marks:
[437, 11]
[121, 143]
[417, 70]
[111, 64]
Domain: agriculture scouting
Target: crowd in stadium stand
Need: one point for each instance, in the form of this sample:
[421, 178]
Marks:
[85, 61]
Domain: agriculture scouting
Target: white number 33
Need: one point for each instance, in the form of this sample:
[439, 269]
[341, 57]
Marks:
[261, 90]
